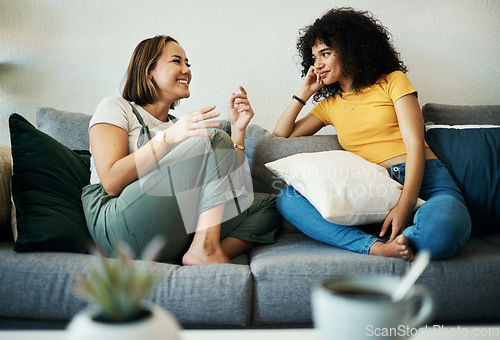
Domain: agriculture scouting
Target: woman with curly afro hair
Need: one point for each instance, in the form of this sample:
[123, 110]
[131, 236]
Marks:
[354, 73]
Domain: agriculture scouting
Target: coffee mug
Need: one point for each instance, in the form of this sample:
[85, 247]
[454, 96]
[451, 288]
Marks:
[360, 307]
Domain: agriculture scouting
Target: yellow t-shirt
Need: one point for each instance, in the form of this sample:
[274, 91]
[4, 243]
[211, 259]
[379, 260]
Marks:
[367, 124]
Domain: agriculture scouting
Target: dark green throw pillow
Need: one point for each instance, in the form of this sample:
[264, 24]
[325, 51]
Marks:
[47, 182]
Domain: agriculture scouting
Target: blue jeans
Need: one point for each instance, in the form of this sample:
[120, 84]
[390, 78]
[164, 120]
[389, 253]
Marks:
[441, 225]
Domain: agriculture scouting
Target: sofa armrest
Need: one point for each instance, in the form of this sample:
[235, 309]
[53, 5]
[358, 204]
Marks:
[5, 192]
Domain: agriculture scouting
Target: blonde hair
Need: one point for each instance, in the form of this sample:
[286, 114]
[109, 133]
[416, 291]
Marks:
[139, 88]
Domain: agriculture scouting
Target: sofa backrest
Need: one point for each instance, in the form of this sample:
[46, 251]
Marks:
[441, 114]
[71, 129]
[263, 147]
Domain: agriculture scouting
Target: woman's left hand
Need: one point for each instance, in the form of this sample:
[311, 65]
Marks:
[240, 111]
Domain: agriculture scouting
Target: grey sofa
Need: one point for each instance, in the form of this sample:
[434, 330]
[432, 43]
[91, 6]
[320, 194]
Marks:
[270, 285]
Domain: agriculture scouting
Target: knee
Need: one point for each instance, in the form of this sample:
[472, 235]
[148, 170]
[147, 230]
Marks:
[219, 139]
[264, 201]
[223, 151]
[443, 231]
[285, 200]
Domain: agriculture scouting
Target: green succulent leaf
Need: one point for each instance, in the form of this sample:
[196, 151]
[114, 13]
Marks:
[117, 286]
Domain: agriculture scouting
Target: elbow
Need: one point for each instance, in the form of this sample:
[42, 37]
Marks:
[111, 188]
[280, 134]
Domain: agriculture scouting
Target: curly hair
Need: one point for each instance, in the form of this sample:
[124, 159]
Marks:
[361, 42]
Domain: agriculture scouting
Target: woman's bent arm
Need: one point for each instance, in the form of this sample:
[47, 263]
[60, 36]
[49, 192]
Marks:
[115, 167]
[412, 130]
[309, 125]
[286, 123]
[288, 127]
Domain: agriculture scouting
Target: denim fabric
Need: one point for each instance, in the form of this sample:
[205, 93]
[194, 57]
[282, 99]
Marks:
[442, 224]
[301, 213]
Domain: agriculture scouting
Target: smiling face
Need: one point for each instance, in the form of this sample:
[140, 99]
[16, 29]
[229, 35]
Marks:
[171, 74]
[327, 65]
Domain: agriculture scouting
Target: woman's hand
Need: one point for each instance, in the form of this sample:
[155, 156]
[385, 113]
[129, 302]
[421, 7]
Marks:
[311, 84]
[240, 111]
[191, 125]
[398, 219]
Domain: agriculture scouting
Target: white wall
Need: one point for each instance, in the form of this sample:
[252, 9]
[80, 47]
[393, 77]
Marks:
[71, 54]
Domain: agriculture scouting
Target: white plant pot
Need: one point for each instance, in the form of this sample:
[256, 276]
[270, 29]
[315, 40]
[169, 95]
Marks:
[160, 324]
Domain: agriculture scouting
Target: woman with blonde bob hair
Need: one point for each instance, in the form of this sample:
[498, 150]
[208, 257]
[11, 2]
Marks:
[181, 178]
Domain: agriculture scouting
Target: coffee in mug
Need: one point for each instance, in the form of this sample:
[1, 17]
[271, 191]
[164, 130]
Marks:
[361, 307]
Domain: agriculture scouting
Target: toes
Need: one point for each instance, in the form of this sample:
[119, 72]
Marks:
[402, 240]
[405, 250]
[410, 254]
[409, 257]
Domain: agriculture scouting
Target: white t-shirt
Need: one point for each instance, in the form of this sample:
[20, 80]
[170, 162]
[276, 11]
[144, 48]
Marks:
[117, 111]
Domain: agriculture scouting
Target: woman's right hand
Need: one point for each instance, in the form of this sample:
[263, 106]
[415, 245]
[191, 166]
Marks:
[287, 126]
[191, 125]
[311, 84]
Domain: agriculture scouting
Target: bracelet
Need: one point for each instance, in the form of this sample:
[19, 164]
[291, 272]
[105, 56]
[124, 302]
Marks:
[160, 138]
[239, 147]
[164, 142]
[299, 100]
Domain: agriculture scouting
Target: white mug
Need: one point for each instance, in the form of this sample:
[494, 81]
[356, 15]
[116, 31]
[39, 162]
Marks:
[360, 307]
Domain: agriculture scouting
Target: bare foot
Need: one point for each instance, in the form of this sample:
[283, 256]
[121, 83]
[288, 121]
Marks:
[399, 248]
[198, 256]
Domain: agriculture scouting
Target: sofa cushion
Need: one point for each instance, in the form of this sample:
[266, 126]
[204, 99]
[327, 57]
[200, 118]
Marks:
[41, 286]
[46, 187]
[345, 188]
[464, 285]
[69, 128]
[471, 154]
[284, 273]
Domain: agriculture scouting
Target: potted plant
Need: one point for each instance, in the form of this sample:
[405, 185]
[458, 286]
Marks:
[117, 289]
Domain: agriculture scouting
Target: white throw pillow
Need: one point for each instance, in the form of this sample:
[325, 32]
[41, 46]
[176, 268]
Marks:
[345, 188]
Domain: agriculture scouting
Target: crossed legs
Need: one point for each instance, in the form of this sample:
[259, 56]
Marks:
[207, 247]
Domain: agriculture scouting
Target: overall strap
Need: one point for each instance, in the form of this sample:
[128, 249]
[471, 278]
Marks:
[145, 132]
[144, 129]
